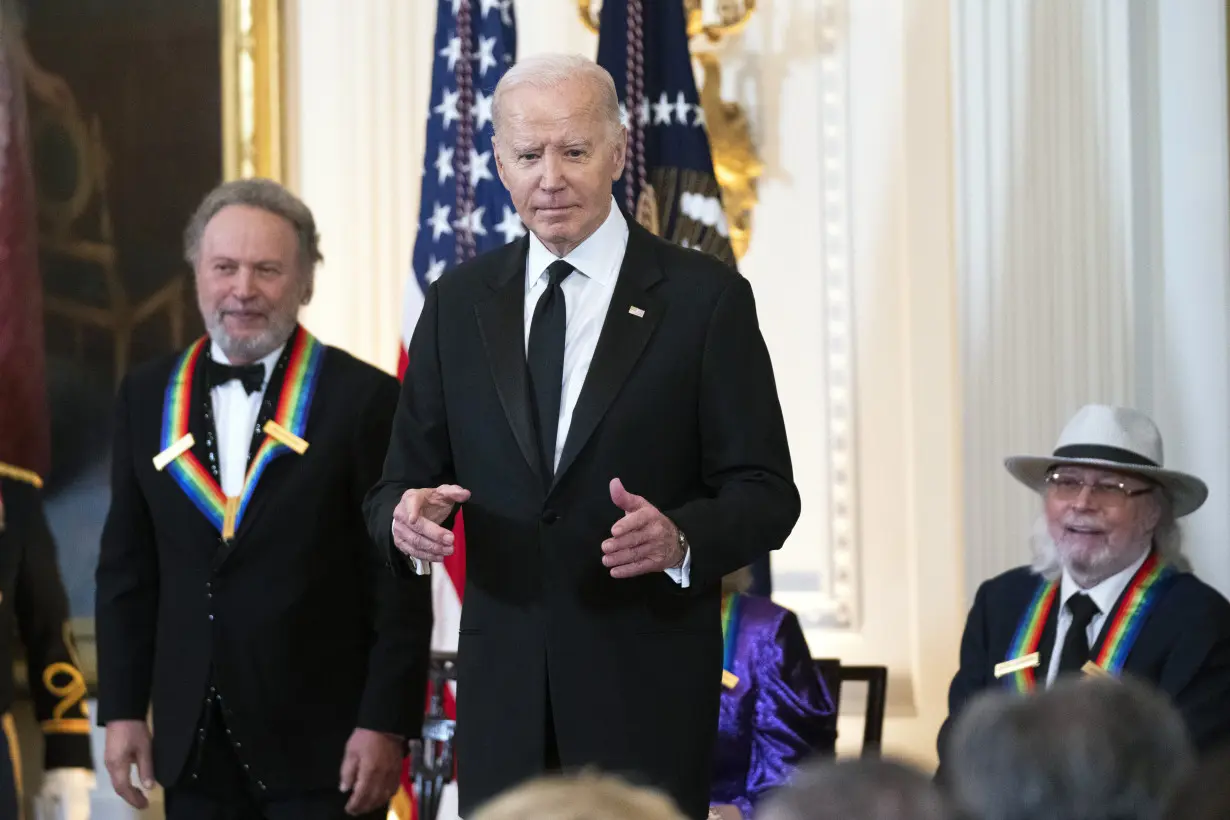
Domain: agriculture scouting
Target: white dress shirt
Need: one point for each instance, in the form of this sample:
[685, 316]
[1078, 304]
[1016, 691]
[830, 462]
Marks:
[587, 296]
[1104, 594]
[235, 415]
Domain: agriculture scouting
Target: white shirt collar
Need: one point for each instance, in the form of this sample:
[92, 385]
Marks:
[215, 353]
[1106, 592]
[591, 258]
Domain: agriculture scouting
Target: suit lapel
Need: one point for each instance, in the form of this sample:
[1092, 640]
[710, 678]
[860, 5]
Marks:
[201, 422]
[501, 324]
[623, 339]
[1046, 644]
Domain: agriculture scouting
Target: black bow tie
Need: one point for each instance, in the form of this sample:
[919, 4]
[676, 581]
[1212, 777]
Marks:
[251, 376]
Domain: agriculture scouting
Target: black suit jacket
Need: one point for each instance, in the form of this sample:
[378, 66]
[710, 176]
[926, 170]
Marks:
[1183, 648]
[294, 621]
[33, 603]
[679, 403]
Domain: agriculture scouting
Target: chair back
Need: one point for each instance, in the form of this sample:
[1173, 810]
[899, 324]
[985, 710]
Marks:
[835, 675]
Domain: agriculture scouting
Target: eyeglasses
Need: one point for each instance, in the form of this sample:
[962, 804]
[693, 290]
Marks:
[1104, 493]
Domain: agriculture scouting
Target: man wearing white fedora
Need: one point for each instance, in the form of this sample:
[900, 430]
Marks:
[1109, 591]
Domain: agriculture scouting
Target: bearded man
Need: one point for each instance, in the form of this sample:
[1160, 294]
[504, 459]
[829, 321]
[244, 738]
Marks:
[238, 591]
[1109, 591]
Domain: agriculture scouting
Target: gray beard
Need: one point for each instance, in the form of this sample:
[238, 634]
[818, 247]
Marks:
[254, 348]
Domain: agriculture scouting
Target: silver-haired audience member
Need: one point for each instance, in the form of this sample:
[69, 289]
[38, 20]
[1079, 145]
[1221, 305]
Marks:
[1083, 750]
[863, 789]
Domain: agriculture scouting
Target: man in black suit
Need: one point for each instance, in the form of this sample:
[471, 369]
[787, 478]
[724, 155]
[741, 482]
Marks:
[34, 606]
[1108, 592]
[603, 405]
[237, 588]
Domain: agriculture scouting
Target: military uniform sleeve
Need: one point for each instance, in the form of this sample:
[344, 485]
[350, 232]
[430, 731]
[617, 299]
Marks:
[57, 685]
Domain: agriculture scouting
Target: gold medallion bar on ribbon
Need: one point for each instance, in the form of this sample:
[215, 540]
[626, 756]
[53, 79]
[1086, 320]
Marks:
[228, 521]
[1017, 664]
[1094, 671]
[281, 434]
[173, 452]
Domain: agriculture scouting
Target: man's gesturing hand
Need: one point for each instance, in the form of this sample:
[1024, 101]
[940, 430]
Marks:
[643, 541]
[417, 519]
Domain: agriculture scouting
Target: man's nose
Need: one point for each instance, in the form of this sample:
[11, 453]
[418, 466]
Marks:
[244, 283]
[552, 173]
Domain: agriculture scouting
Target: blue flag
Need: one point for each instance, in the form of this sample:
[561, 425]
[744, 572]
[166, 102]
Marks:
[668, 184]
[464, 210]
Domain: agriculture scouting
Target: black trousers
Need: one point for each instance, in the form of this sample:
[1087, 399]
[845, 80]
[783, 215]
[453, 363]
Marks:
[215, 786]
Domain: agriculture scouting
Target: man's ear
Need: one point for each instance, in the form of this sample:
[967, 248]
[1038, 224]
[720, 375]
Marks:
[621, 153]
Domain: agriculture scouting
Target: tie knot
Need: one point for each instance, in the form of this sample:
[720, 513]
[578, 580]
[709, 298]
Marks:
[558, 271]
[1083, 609]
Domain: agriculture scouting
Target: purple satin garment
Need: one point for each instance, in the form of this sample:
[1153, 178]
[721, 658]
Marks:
[778, 714]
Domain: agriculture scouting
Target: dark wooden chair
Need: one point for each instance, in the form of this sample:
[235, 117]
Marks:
[432, 756]
[835, 675]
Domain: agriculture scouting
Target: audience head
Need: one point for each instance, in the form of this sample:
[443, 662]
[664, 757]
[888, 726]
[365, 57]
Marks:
[1205, 794]
[585, 796]
[1084, 749]
[862, 789]
[1106, 496]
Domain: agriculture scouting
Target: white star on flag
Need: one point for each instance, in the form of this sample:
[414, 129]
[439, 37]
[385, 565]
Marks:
[478, 167]
[482, 109]
[435, 269]
[486, 55]
[662, 110]
[448, 107]
[444, 164]
[699, 112]
[510, 225]
[456, 7]
[489, 5]
[439, 221]
[475, 220]
[623, 115]
[682, 109]
[453, 52]
[644, 112]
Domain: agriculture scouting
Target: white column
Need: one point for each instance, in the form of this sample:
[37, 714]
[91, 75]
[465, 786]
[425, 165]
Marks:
[1045, 244]
[359, 78]
[1191, 306]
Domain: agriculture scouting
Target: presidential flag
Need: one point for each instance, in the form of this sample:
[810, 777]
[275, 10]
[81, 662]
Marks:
[464, 210]
[668, 182]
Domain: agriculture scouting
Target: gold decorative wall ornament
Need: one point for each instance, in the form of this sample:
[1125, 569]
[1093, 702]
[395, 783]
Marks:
[736, 164]
[252, 88]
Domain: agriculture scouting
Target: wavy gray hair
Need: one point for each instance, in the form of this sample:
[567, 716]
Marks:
[266, 195]
[1167, 540]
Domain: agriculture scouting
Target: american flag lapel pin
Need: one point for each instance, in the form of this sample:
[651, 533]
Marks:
[637, 312]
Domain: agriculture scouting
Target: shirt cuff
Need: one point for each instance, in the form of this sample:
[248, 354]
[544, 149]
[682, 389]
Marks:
[681, 574]
[419, 567]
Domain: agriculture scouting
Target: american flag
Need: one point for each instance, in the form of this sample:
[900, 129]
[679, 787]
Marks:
[464, 210]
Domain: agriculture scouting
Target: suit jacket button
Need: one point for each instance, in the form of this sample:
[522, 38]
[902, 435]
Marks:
[550, 516]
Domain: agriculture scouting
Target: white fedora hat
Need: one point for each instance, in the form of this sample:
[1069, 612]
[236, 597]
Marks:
[1113, 438]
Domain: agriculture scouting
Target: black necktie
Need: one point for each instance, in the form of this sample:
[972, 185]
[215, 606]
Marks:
[1075, 652]
[545, 360]
[251, 376]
